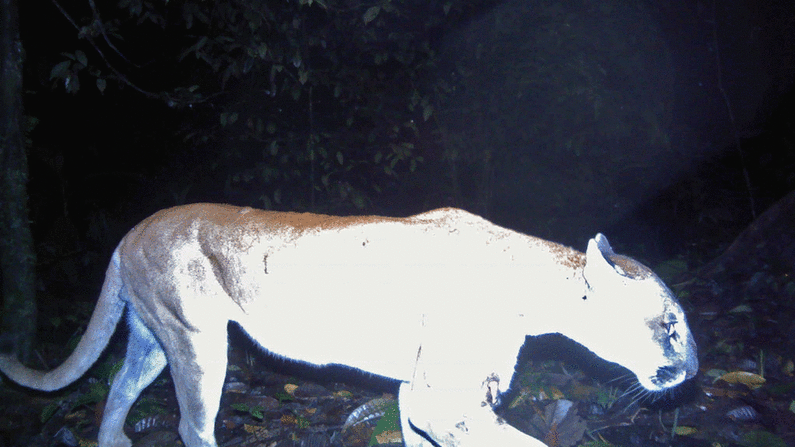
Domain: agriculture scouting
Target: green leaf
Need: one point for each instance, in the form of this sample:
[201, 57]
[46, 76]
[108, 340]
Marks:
[427, 111]
[371, 14]
[96, 393]
[101, 84]
[81, 57]
[389, 422]
[240, 407]
[200, 43]
[682, 430]
[60, 70]
[72, 83]
[339, 157]
[284, 397]
[759, 438]
[48, 411]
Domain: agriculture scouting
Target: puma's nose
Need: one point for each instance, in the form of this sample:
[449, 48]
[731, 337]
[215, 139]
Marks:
[665, 374]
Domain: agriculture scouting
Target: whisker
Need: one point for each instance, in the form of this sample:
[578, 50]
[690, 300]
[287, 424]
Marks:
[620, 378]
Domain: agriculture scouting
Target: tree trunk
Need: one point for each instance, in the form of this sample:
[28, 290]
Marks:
[17, 256]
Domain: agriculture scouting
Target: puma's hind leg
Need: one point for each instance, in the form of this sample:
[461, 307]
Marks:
[144, 361]
[198, 371]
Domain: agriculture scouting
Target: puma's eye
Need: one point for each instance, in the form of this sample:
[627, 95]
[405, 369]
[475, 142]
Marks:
[671, 330]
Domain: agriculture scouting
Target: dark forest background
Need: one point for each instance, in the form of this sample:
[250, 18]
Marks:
[668, 126]
[558, 119]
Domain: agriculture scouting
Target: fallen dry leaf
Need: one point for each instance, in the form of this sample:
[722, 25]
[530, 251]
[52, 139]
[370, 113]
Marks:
[751, 380]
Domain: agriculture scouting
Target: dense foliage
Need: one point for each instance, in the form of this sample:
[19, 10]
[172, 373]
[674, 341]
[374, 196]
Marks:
[293, 99]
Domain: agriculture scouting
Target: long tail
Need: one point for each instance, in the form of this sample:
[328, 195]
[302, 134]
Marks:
[107, 314]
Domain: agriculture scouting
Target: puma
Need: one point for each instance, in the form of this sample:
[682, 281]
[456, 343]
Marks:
[442, 301]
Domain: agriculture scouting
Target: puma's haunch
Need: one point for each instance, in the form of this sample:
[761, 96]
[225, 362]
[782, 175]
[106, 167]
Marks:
[446, 299]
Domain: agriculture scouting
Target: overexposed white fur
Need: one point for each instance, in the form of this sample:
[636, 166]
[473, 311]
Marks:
[441, 301]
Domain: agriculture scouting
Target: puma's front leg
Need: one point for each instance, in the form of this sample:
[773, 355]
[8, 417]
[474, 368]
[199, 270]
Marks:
[455, 418]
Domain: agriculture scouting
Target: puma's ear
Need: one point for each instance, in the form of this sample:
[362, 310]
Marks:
[597, 260]
[599, 250]
[601, 242]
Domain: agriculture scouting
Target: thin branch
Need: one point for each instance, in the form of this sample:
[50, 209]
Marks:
[101, 26]
[121, 77]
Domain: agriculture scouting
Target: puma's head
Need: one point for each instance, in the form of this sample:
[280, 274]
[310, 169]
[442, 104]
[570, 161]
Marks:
[630, 317]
